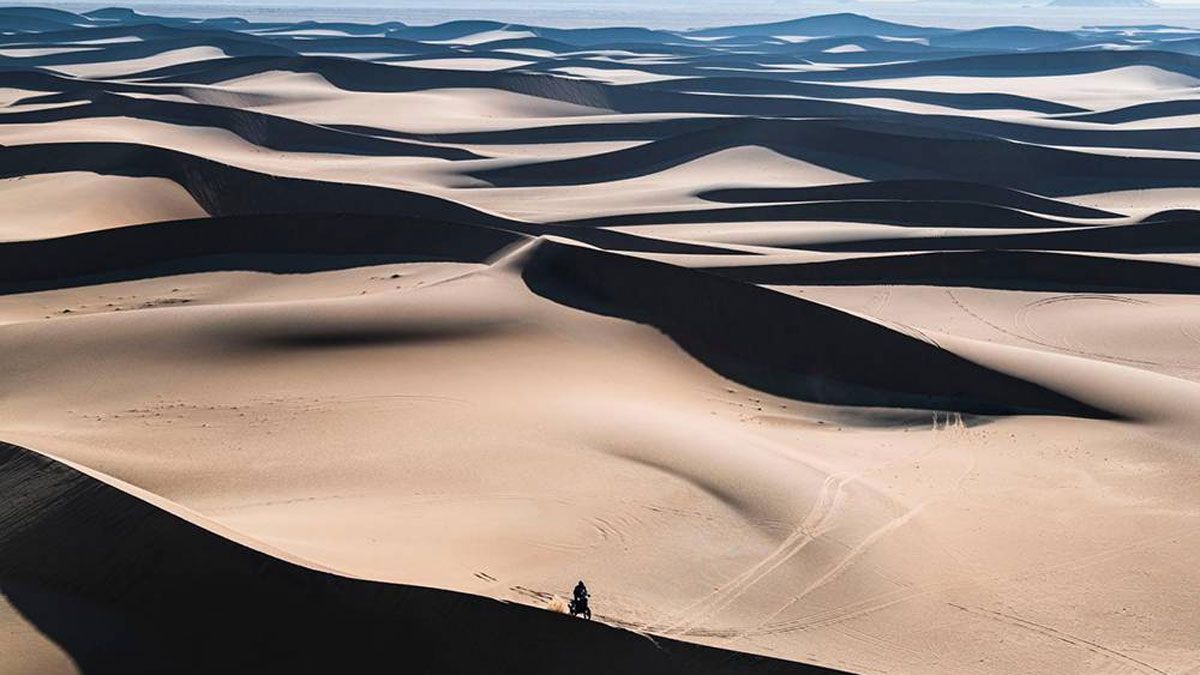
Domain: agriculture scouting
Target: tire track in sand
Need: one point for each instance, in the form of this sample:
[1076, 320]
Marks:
[1054, 633]
[814, 524]
[844, 563]
[1022, 319]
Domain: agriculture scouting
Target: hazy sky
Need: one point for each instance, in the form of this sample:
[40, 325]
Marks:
[663, 13]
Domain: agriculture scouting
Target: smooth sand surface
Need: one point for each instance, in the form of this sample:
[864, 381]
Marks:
[338, 334]
[87, 201]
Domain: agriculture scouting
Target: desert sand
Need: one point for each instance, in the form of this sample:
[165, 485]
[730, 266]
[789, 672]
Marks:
[830, 344]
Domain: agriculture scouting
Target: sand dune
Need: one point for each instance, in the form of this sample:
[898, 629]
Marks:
[765, 355]
[1027, 270]
[106, 572]
[95, 202]
[879, 151]
[943, 191]
[827, 345]
[290, 243]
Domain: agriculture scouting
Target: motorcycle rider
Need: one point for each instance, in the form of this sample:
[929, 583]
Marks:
[581, 598]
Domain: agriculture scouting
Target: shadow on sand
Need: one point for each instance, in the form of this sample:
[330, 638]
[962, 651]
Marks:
[127, 587]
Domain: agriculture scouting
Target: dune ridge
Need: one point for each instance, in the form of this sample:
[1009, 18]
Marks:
[785, 346]
[107, 575]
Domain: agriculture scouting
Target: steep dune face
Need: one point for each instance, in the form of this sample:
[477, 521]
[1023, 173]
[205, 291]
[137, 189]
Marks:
[833, 341]
[277, 243]
[127, 587]
[1016, 270]
[785, 346]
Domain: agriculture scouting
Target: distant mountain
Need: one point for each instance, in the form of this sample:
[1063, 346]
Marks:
[827, 25]
[1005, 38]
[37, 19]
[1147, 27]
[112, 14]
[599, 36]
[1102, 3]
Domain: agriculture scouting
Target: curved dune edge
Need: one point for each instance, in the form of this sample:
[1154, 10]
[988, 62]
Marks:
[226, 190]
[776, 343]
[1002, 269]
[886, 149]
[126, 583]
[1178, 233]
[277, 243]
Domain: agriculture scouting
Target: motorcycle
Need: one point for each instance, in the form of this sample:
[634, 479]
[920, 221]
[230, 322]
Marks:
[579, 607]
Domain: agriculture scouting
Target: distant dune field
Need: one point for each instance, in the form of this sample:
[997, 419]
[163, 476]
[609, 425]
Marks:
[828, 345]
